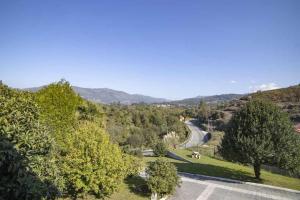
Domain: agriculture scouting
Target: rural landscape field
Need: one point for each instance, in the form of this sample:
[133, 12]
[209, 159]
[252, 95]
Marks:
[136, 100]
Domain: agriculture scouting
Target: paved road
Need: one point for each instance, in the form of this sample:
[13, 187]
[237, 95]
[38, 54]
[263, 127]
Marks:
[197, 135]
[203, 188]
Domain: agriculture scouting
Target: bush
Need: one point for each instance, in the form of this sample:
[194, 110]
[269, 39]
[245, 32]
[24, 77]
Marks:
[160, 149]
[92, 164]
[162, 177]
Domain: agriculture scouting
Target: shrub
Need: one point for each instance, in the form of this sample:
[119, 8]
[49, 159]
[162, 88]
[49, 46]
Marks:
[162, 177]
[93, 164]
[160, 149]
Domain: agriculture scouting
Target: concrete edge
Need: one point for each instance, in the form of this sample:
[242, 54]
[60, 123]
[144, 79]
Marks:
[177, 157]
[238, 181]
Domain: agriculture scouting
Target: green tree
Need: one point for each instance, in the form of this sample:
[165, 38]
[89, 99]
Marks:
[92, 164]
[91, 112]
[151, 137]
[28, 168]
[160, 149]
[260, 133]
[58, 103]
[202, 111]
[162, 177]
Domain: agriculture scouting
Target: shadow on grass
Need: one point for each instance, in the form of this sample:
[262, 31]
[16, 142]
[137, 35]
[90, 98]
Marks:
[138, 186]
[218, 171]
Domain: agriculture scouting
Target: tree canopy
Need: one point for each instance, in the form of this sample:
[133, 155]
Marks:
[28, 167]
[143, 125]
[260, 133]
[58, 104]
[93, 164]
[54, 143]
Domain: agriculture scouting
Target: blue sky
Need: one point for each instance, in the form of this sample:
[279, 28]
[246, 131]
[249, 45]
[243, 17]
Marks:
[163, 48]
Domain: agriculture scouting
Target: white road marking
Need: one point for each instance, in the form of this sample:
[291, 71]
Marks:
[210, 188]
[206, 193]
[243, 182]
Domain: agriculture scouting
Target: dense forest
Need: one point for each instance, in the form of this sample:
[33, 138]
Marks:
[143, 126]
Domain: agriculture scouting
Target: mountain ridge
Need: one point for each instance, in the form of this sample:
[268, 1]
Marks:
[109, 96]
[208, 99]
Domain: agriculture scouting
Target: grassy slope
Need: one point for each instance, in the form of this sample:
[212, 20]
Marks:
[129, 190]
[213, 167]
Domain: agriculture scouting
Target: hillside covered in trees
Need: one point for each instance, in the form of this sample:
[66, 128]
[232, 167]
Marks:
[288, 99]
[143, 126]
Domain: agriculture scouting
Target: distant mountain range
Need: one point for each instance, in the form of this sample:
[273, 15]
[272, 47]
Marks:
[207, 99]
[108, 96]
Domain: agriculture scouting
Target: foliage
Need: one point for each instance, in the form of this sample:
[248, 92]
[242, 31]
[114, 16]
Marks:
[290, 94]
[162, 177]
[160, 149]
[133, 165]
[58, 103]
[202, 111]
[91, 112]
[93, 164]
[261, 134]
[28, 169]
[142, 125]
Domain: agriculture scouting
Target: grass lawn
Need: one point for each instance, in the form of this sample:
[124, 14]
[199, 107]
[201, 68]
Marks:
[132, 188]
[214, 167]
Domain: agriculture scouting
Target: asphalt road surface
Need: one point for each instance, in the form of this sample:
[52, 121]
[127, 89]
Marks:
[202, 188]
[197, 135]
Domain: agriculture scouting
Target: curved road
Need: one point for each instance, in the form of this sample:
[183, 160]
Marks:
[197, 137]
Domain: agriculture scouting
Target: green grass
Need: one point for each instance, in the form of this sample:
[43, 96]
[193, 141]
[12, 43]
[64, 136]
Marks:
[214, 167]
[132, 188]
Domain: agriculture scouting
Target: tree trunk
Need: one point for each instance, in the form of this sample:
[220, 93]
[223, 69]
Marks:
[154, 196]
[256, 167]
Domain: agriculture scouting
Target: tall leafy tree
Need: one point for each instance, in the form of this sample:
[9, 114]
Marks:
[58, 104]
[28, 168]
[260, 133]
[202, 111]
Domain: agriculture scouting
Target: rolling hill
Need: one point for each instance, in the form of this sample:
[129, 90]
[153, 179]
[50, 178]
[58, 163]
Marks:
[207, 99]
[288, 99]
[108, 96]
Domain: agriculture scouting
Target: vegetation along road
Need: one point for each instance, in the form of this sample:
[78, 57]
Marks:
[197, 136]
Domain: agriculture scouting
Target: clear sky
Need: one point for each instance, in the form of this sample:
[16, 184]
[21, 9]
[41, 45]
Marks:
[163, 48]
